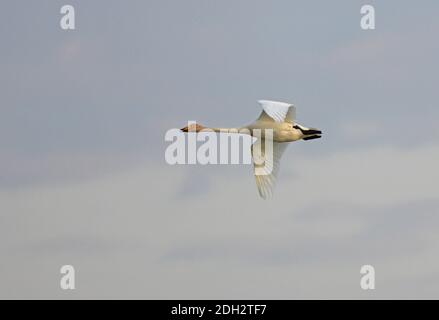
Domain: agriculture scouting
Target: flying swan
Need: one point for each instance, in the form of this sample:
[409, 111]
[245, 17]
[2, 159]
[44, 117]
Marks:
[280, 118]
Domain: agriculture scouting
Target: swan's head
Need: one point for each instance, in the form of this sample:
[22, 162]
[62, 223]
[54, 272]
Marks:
[193, 127]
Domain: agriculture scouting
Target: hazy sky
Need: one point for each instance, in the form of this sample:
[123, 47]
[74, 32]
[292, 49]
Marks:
[83, 179]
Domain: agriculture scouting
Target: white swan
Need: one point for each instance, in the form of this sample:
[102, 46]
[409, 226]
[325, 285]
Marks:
[280, 117]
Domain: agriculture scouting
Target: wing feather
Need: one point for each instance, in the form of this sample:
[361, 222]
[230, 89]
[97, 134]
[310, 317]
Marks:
[277, 111]
[266, 167]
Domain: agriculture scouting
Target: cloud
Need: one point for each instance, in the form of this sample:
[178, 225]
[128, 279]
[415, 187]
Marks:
[227, 234]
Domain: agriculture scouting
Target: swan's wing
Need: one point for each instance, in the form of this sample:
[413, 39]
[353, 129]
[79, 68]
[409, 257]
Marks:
[291, 115]
[265, 167]
[277, 111]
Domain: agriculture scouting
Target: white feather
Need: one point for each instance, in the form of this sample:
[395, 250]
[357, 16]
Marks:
[275, 109]
[266, 168]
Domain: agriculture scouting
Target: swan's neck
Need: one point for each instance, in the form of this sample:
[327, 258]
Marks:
[242, 130]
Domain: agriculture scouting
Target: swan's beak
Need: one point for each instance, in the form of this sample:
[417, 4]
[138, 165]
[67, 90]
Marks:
[193, 128]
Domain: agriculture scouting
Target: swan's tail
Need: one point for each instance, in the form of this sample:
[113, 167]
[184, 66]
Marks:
[316, 136]
[309, 133]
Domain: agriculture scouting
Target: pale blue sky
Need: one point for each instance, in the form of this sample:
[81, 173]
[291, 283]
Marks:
[83, 178]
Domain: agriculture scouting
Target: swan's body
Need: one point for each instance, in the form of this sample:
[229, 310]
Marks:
[280, 118]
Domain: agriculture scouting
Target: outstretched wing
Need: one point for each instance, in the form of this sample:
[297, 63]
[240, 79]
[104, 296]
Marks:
[266, 167]
[277, 111]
